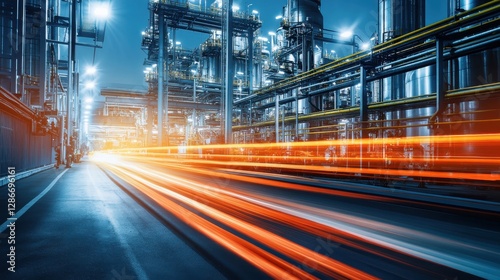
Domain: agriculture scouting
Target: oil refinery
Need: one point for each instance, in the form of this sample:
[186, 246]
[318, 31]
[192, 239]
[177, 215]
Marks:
[252, 154]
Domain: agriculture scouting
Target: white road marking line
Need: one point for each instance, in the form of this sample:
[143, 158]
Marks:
[33, 201]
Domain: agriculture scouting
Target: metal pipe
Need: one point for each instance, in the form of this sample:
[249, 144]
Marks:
[408, 38]
[397, 70]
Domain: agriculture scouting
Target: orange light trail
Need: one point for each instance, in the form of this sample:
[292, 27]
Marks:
[388, 157]
[238, 209]
[178, 189]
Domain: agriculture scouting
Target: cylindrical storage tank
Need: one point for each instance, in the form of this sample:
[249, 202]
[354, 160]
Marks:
[457, 6]
[211, 68]
[303, 132]
[478, 68]
[420, 82]
[304, 15]
[398, 17]
[417, 83]
[306, 11]
[240, 43]
[465, 115]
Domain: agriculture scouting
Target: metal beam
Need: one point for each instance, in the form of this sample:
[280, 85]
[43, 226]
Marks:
[228, 88]
[363, 113]
[161, 70]
[143, 102]
[439, 76]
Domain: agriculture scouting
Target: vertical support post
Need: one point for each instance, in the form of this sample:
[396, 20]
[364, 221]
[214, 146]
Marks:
[305, 60]
[363, 112]
[277, 117]
[194, 109]
[43, 57]
[353, 44]
[160, 66]
[69, 90]
[283, 137]
[18, 52]
[228, 98]
[166, 81]
[149, 125]
[439, 76]
[250, 62]
[297, 114]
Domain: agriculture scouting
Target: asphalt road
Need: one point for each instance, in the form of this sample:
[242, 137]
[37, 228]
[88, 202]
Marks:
[126, 218]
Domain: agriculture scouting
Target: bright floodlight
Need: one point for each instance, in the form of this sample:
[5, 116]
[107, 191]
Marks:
[271, 33]
[89, 100]
[279, 17]
[100, 10]
[236, 8]
[346, 34]
[91, 70]
[255, 12]
[365, 46]
[90, 85]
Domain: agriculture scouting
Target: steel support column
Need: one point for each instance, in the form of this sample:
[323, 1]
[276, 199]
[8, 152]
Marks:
[228, 88]
[363, 99]
[70, 89]
[161, 70]
[439, 76]
[250, 62]
[296, 95]
[363, 112]
[277, 117]
[19, 22]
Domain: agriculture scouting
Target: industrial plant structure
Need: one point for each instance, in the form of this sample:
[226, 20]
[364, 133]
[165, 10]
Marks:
[408, 80]
[41, 106]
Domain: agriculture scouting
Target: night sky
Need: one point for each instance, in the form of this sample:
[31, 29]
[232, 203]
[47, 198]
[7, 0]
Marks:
[120, 61]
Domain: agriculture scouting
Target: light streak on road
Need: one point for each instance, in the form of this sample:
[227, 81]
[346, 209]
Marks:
[193, 200]
[473, 158]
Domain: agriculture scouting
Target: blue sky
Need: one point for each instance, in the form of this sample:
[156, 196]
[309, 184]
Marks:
[120, 61]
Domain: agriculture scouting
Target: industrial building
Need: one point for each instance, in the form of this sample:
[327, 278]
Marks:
[404, 128]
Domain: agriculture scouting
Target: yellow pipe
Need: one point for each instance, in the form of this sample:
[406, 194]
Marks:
[451, 94]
